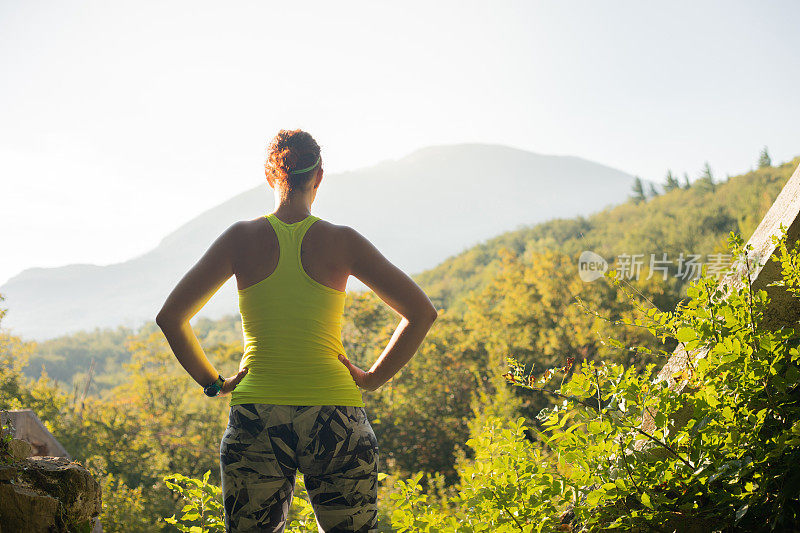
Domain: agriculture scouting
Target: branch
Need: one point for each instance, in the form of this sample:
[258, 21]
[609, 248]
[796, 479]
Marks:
[514, 518]
[617, 422]
[599, 400]
[628, 468]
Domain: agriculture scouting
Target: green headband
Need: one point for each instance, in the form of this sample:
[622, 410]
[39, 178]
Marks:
[307, 168]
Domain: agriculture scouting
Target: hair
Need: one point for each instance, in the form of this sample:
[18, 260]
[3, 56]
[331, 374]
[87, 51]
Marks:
[292, 150]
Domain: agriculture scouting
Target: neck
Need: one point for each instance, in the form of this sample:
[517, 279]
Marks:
[293, 208]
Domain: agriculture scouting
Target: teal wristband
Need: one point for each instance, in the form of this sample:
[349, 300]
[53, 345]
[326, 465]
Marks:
[213, 388]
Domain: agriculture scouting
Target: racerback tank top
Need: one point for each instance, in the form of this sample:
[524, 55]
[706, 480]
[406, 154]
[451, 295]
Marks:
[292, 328]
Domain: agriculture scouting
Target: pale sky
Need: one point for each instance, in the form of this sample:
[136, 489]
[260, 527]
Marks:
[119, 121]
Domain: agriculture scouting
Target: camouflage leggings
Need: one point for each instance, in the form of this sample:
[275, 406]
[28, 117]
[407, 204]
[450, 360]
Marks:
[333, 446]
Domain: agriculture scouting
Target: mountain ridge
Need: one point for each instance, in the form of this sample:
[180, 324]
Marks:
[469, 192]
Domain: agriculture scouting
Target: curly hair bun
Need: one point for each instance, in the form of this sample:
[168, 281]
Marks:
[289, 151]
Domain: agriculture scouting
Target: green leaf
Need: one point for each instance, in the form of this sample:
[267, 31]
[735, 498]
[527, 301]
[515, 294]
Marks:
[685, 334]
[646, 500]
[594, 497]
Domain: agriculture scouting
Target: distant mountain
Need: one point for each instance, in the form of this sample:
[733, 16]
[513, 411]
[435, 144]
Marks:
[418, 210]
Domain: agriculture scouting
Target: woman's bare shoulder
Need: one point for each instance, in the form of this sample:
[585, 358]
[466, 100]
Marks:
[346, 236]
[249, 227]
[331, 234]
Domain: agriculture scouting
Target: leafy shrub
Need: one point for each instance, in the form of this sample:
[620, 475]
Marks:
[123, 506]
[204, 510]
[6, 436]
[732, 466]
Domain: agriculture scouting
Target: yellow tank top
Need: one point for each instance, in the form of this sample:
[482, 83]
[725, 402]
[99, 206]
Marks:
[292, 327]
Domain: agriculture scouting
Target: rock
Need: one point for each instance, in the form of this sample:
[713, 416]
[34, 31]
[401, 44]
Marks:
[25, 509]
[48, 494]
[20, 449]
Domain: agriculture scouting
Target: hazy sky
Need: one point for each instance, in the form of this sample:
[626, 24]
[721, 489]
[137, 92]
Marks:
[119, 121]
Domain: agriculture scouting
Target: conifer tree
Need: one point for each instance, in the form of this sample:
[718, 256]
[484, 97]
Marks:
[653, 192]
[638, 190]
[686, 184]
[706, 179]
[764, 160]
[670, 182]
[706, 173]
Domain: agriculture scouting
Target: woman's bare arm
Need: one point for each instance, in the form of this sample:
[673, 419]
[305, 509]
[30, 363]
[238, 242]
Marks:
[399, 292]
[187, 298]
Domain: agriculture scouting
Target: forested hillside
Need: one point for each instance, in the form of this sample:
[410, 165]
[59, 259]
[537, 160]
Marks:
[689, 219]
[518, 295]
[693, 219]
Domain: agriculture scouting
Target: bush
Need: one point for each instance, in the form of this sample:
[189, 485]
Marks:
[731, 467]
[204, 509]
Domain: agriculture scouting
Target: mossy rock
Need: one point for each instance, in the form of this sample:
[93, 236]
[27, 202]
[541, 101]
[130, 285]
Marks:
[48, 494]
[20, 449]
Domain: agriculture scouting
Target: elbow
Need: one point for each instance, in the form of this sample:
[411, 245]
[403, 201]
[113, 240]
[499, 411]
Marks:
[428, 316]
[164, 320]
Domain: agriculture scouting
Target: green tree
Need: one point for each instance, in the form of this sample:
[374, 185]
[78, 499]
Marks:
[421, 414]
[706, 181]
[536, 308]
[17, 391]
[764, 160]
[652, 191]
[686, 183]
[638, 190]
[670, 182]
